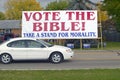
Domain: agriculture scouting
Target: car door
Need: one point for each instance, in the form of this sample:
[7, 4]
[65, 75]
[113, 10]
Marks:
[18, 49]
[36, 50]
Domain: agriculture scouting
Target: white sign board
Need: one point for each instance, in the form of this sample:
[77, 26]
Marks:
[67, 24]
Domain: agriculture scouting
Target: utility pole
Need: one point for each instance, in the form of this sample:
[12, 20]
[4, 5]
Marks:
[100, 24]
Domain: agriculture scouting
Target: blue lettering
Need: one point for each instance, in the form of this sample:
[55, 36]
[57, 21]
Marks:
[63, 35]
[48, 34]
[83, 34]
[29, 35]
[37, 35]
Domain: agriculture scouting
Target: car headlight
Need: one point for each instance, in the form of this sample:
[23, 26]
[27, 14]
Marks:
[69, 50]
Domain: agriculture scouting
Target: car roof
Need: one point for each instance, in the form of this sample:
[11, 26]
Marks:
[15, 39]
[20, 38]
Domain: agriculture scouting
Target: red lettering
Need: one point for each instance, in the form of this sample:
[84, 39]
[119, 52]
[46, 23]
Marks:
[27, 17]
[40, 27]
[90, 16]
[56, 16]
[37, 27]
[83, 26]
[46, 15]
[70, 15]
[80, 16]
[54, 26]
[63, 28]
[75, 26]
[37, 16]
[45, 26]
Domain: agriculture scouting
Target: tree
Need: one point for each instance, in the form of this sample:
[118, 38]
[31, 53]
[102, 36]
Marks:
[57, 5]
[102, 15]
[2, 16]
[113, 8]
[14, 8]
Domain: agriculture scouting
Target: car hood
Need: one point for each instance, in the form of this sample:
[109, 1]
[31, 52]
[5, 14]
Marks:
[59, 47]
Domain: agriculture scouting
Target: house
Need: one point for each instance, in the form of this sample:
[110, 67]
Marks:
[10, 26]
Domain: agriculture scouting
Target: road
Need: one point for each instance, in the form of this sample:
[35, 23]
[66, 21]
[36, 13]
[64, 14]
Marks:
[85, 59]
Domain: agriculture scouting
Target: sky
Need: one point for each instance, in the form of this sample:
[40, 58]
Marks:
[42, 2]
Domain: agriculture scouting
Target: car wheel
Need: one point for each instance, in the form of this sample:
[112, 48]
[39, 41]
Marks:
[56, 57]
[6, 58]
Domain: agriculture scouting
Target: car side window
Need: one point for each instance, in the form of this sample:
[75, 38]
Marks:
[34, 44]
[17, 44]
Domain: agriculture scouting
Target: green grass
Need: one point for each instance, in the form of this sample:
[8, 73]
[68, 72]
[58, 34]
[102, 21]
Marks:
[109, 46]
[113, 45]
[92, 74]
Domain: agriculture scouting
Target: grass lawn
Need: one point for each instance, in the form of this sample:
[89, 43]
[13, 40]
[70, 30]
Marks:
[113, 46]
[109, 46]
[90, 74]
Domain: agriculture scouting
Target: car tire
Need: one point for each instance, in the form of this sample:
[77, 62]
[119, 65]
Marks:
[56, 57]
[6, 58]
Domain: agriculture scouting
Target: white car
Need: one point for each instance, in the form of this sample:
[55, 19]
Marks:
[32, 49]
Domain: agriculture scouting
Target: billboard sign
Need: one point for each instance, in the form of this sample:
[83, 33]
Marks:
[66, 24]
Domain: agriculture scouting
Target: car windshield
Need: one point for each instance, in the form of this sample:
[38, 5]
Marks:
[45, 43]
